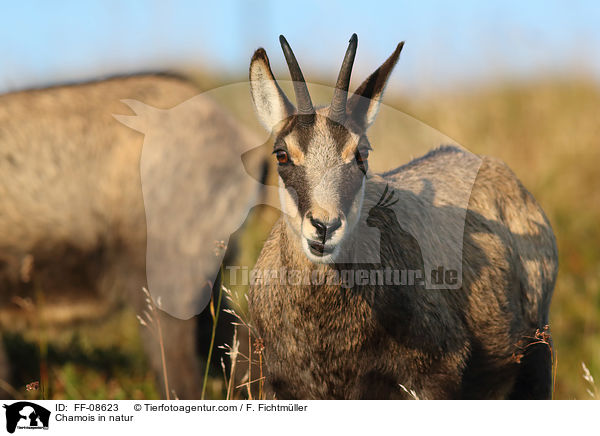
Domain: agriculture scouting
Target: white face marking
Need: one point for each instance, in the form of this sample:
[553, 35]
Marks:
[336, 243]
[324, 169]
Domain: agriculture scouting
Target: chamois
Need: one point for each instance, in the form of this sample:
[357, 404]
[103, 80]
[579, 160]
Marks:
[71, 204]
[482, 334]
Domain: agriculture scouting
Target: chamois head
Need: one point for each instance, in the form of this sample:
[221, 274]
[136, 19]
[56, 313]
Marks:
[322, 152]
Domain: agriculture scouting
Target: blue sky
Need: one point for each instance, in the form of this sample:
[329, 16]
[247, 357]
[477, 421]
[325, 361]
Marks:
[448, 44]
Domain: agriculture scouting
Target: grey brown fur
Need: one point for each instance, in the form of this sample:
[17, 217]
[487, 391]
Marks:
[329, 342]
[366, 342]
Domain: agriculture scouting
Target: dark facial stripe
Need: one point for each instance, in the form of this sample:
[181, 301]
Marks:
[304, 132]
[339, 133]
[294, 178]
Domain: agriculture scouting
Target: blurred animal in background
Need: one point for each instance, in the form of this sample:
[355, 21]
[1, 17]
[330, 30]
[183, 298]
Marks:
[73, 233]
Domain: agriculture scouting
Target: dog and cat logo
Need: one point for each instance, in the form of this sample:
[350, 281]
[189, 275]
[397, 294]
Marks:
[26, 415]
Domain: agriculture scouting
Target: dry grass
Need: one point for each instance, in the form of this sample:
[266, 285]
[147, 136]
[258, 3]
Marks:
[592, 389]
[151, 320]
[254, 386]
[411, 392]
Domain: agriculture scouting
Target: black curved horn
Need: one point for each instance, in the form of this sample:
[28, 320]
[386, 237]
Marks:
[305, 106]
[337, 110]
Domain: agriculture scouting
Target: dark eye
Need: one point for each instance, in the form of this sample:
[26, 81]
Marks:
[282, 157]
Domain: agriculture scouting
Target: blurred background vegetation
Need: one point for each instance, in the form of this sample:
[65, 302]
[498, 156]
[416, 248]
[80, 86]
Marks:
[517, 81]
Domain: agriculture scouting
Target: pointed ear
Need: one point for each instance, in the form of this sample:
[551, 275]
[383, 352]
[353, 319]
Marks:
[364, 104]
[272, 106]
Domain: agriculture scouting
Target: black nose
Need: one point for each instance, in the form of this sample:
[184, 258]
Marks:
[325, 230]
